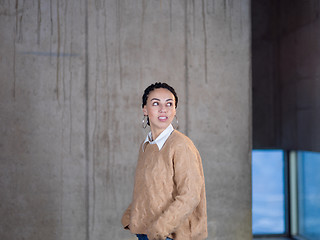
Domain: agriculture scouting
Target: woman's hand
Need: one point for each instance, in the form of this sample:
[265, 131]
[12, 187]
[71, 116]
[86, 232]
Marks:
[156, 238]
[153, 234]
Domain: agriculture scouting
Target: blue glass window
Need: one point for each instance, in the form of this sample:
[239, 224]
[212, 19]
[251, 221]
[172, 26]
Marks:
[309, 194]
[268, 198]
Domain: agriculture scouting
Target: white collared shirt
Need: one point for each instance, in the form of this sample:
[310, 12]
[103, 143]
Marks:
[161, 139]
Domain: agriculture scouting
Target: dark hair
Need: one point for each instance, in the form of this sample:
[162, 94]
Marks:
[156, 86]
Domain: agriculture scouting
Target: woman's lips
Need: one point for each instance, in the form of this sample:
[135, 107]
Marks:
[162, 119]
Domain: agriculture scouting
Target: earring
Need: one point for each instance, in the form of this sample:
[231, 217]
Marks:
[144, 121]
[177, 127]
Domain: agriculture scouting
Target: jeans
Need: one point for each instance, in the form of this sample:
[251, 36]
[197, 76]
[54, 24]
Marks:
[144, 237]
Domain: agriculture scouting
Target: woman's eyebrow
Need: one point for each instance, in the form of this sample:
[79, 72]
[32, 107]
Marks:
[157, 99]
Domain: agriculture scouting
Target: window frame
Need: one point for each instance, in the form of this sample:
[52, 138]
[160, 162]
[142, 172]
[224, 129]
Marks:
[287, 209]
[299, 235]
[291, 197]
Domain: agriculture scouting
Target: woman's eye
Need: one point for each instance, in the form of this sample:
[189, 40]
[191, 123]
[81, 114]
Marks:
[169, 104]
[155, 104]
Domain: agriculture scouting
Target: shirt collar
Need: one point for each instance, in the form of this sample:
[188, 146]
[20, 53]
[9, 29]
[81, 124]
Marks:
[161, 139]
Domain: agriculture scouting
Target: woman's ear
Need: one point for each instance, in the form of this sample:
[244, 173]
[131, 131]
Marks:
[144, 109]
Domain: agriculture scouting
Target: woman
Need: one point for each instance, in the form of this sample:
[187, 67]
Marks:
[169, 199]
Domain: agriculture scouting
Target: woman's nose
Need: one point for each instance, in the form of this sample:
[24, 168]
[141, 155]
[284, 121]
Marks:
[162, 108]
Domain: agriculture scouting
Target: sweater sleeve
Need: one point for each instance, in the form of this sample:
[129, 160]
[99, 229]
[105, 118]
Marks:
[126, 218]
[189, 182]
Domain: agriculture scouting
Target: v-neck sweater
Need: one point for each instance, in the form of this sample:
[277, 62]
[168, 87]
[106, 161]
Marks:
[169, 197]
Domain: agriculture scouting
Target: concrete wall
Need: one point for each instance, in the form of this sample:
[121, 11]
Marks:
[72, 76]
[286, 83]
[266, 94]
[300, 61]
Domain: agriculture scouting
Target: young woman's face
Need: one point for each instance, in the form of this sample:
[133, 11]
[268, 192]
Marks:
[160, 109]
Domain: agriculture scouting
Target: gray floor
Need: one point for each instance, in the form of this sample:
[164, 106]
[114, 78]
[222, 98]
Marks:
[278, 238]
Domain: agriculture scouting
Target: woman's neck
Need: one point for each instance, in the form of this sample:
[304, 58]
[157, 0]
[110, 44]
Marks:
[155, 133]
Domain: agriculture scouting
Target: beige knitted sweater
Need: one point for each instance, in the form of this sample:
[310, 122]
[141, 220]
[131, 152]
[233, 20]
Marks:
[169, 192]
